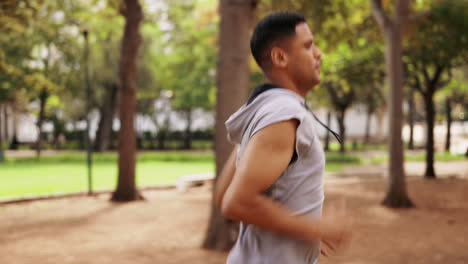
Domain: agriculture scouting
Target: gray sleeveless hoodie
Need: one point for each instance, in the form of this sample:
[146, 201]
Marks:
[299, 188]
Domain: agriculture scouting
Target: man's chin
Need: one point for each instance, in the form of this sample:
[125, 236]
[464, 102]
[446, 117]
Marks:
[316, 82]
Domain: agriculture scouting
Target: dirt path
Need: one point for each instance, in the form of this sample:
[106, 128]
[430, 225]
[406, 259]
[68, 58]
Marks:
[169, 227]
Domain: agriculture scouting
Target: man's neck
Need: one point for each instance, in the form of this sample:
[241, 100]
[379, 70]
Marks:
[288, 84]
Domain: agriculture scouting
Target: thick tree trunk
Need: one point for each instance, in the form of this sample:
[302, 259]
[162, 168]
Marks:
[411, 118]
[232, 90]
[391, 27]
[396, 193]
[327, 135]
[43, 96]
[448, 113]
[131, 40]
[340, 117]
[222, 233]
[430, 118]
[188, 130]
[107, 112]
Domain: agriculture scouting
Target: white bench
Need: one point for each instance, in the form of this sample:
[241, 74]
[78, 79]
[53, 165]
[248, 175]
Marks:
[186, 181]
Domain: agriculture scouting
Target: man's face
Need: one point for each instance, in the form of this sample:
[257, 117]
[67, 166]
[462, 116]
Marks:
[304, 57]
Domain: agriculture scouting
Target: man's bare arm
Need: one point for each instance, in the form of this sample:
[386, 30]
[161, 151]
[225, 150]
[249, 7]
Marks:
[267, 155]
[225, 178]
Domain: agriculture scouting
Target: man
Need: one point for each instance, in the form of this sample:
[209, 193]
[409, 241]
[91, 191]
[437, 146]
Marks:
[272, 181]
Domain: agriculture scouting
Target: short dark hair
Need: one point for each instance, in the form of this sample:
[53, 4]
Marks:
[269, 31]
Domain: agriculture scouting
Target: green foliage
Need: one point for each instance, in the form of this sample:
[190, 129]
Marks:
[438, 43]
[456, 91]
[41, 47]
[189, 54]
[442, 37]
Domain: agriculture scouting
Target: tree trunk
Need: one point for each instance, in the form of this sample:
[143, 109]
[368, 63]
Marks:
[430, 117]
[327, 135]
[2, 155]
[411, 117]
[131, 40]
[391, 27]
[188, 130]
[1, 126]
[232, 79]
[368, 121]
[448, 113]
[163, 131]
[379, 118]
[5, 119]
[14, 141]
[162, 142]
[56, 134]
[162, 135]
[107, 112]
[340, 117]
[43, 96]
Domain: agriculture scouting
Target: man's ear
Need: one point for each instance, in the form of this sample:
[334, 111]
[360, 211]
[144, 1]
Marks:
[279, 58]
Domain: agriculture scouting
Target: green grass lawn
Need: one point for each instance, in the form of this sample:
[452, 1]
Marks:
[422, 157]
[358, 146]
[67, 173]
[42, 179]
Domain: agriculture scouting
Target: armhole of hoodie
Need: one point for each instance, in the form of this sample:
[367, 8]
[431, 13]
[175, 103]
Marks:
[267, 117]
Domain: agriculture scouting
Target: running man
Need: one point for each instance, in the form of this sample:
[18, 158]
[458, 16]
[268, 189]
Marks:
[273, 180]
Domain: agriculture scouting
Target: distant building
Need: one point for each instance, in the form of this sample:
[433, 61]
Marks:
[355, 123]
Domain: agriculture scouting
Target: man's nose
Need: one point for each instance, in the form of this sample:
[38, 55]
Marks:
[318, 53]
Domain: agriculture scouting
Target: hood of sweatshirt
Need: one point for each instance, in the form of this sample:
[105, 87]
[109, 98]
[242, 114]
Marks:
[240, 120]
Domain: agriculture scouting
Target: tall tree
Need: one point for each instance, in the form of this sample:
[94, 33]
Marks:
[131, 40]
[189, 72]
[33, 54]
[108, 81]
[341, 96]
[392, 29]
[371, 93]
[50, 44]
[439, 42]
[453, 95]
[232, 81]
[411, 110]
[106, 120]
[353, 74]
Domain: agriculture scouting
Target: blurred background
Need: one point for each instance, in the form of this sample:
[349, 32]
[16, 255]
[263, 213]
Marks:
[127, 100]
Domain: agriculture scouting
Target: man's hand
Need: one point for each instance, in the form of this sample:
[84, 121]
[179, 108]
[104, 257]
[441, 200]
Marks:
[225, 178]
[335, 230]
